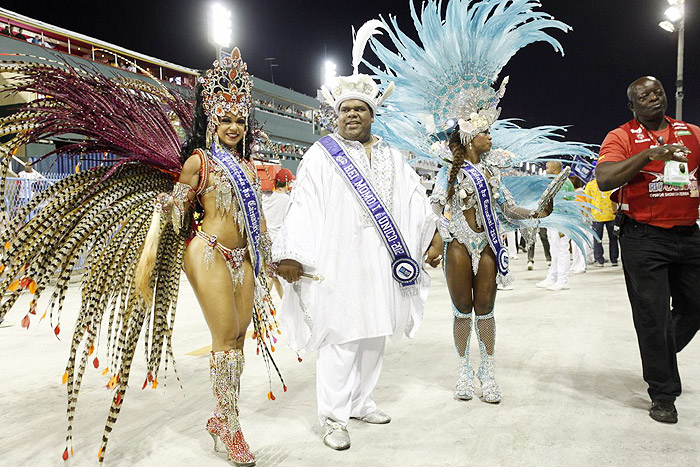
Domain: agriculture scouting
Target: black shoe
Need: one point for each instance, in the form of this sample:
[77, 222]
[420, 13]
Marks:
[663, 411]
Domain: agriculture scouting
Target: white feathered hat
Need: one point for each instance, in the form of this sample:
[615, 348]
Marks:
[358, 85]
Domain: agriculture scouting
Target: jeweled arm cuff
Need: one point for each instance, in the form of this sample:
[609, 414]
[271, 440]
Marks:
[266, 248]
[180, 203]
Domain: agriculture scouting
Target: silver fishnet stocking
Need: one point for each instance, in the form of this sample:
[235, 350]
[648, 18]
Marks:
[486, 333]
[461, 332]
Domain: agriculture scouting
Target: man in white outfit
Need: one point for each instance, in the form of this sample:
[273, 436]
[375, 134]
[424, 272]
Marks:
[28, 177]
[359, 217]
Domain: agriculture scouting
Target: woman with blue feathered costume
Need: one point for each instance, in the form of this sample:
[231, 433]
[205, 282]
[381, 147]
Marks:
[446, 109]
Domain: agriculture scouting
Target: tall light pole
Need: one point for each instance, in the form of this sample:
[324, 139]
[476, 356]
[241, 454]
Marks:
[219, 28]
[676, 23]
[271, 60]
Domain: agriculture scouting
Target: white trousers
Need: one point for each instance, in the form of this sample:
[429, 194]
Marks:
[346, 375]
[578, 261]
[561, 258]
[512, 245]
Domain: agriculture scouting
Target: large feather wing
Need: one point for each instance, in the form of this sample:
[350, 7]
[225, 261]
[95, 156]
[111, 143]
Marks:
[102, 215]
[128, 118]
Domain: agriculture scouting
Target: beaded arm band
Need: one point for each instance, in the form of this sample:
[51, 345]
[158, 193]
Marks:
[180, 201]
[266, 251]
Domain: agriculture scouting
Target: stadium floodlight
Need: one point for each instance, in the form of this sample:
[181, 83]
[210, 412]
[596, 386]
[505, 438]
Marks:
[674, 13]
[220, 27]
[667, 26]
[329, 71]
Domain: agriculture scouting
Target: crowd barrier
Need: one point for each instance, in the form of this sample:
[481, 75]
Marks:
[18, 193]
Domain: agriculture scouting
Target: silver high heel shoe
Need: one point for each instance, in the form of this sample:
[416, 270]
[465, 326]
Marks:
[225, 371]
[490, 390]
[464, 389]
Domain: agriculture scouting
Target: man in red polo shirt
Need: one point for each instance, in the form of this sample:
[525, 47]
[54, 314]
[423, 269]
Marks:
[659, 238]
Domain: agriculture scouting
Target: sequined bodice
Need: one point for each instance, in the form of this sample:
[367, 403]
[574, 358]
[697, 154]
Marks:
[465, 197]
[226, 200]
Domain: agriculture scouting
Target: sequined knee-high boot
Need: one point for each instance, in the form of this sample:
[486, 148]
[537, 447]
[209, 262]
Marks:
[225, 370]
[485, 327]
[462, 331]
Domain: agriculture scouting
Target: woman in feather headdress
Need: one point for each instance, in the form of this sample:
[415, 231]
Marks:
[227, 259]
[476, 261]
[446, 89]
[136, 222]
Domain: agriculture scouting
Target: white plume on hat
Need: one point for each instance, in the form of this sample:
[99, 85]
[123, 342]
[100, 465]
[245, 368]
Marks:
[358, 85]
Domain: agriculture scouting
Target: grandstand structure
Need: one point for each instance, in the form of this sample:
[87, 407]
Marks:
[287, 116]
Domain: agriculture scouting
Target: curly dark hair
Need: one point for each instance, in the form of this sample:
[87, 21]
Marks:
[459, 155]
[198, 136]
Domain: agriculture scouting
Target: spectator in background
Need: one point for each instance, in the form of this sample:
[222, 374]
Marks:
[558, 274]
[531, 250]
[27, 183]
[274, 207]
[603, 217]
[17, 34]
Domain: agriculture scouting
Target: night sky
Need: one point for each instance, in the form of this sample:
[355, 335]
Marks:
[612, 43]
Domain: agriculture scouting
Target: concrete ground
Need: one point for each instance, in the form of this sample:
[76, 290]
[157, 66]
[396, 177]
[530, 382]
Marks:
[567, 363]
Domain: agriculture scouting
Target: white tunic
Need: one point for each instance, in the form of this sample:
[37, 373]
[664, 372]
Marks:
[327, 231]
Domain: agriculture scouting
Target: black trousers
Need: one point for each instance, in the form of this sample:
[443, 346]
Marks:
[598, 245]
[545, 245]
[662, 270]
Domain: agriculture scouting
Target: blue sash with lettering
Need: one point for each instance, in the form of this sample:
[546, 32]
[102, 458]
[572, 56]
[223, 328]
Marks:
[488, 213]
[404, 269]
[247, 199]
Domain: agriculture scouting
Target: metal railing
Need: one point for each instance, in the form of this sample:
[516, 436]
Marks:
[20, 191]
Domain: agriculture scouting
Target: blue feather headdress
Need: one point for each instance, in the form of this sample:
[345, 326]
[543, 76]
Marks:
[451, 78]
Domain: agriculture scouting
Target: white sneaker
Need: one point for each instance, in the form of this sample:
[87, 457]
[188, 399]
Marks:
[579, 271]
[559, 286]
[530, 265]
[544, 284]
[504, 287]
